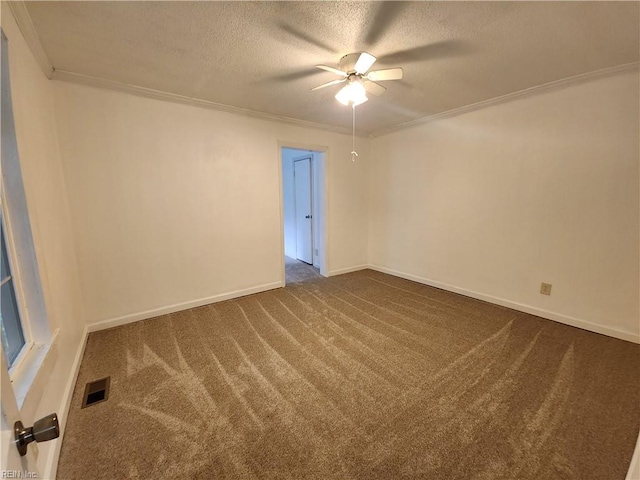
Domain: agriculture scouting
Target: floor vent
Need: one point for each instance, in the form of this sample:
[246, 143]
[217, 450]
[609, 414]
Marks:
[96, 392]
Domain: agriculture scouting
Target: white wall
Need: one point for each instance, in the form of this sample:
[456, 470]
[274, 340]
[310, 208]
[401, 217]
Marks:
[540, 189]
[50, 218]
[634, 468]
[545, 187]
[175, 205]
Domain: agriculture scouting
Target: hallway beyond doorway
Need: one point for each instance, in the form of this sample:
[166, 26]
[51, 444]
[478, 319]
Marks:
[297, 271]
[303, 197]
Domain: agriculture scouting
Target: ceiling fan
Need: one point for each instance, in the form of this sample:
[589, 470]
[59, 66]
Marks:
[353, 70]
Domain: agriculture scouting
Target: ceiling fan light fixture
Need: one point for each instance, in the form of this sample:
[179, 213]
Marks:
[352, 94]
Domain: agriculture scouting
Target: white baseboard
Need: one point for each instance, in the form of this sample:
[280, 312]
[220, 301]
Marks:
[340, 271]
[567, 320]
[51, 466]
[156, 312]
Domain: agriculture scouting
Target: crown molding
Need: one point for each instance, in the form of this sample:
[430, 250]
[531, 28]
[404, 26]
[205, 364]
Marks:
[25, 24]
[527, 92]
[78, 78]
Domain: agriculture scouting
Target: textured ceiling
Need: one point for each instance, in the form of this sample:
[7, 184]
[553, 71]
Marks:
[261, 55]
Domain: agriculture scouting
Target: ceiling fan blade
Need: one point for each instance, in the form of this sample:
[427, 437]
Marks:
[374, 88]
[387, 74]
[333, 70]
[365, 60]
[328, 84]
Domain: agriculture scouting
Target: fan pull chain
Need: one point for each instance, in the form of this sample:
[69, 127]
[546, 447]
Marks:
[354, 154]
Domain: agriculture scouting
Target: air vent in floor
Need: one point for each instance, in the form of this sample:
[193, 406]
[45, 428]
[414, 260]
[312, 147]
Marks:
[96, 392]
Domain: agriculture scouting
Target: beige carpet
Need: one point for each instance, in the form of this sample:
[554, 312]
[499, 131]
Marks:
[361, 376]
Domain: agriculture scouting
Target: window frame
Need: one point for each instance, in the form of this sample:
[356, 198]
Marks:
[14, 271]
[31, 370]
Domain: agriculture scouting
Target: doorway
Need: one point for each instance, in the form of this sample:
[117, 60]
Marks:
[303, 187]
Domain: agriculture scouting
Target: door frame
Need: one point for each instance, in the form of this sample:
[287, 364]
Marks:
[323, 221]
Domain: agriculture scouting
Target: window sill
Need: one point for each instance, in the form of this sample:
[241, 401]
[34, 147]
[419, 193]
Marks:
[30, 377]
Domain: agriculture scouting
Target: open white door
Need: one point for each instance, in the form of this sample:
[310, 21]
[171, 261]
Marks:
[11, 461]
[304, 231]
[12, 465]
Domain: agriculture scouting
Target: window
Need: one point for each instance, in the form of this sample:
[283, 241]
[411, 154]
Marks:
[12, 333]
[26, 335]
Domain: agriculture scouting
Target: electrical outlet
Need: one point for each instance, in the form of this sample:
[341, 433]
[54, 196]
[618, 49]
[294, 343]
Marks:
[545, 288]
